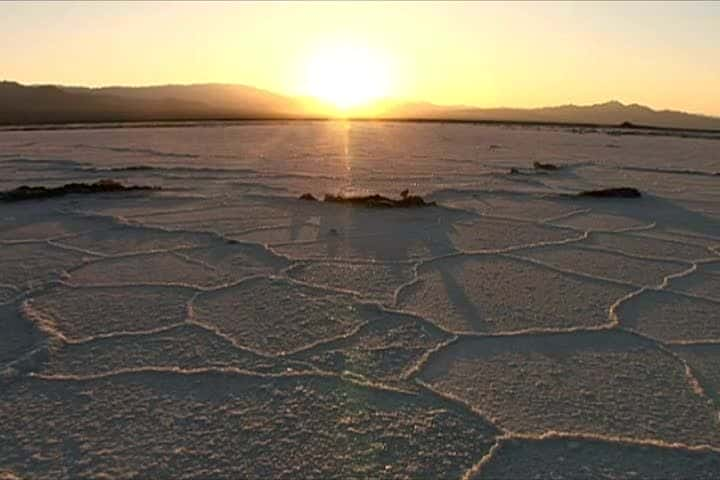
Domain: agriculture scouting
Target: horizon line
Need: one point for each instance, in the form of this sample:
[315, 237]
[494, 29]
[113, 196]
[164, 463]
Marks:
[399, 100]
[102, 124]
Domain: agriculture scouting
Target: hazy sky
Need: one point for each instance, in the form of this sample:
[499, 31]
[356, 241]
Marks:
[666, 55]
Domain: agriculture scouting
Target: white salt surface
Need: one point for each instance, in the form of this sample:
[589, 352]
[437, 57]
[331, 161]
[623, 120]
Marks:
[222, 328]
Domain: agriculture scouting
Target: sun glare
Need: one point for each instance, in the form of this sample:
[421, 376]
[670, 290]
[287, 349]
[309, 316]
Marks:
[348, 76]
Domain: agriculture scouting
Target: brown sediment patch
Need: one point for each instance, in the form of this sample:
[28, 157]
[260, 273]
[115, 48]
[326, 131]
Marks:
[619, 192]
[373, 201]
[546, 166]
[101, 186]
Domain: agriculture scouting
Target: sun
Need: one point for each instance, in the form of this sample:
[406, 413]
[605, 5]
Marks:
[348, 76]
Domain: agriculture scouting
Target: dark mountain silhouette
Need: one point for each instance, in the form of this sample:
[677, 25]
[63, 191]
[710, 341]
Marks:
[610, 113]
[217, 97]
[23, 105]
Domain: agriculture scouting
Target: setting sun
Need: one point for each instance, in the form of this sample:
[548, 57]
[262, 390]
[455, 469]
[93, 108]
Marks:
[348, 76]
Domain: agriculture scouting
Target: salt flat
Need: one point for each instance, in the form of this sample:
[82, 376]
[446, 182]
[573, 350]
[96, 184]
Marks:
[222, 328]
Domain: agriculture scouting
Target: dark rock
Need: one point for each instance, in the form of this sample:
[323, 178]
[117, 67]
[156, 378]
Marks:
[101, 186]
[378, 201]
[621, 192]
[375, 201]
[133, 168]
[545, 166]
[514, 171]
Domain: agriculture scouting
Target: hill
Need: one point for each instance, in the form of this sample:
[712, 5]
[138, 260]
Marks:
[23, 105]
[609, 113]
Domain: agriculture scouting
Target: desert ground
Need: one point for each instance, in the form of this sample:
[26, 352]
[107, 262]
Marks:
[220, 327]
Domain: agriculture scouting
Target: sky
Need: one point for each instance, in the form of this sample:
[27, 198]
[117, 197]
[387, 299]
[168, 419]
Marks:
[665, 55]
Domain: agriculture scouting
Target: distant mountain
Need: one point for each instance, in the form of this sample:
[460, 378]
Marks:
[22, 105]
[53, 104]
[610, 113]
[224, 98]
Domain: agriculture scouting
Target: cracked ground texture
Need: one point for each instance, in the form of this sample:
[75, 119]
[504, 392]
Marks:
[221, 328]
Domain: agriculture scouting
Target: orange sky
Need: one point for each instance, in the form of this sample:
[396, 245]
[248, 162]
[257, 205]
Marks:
[476, 53]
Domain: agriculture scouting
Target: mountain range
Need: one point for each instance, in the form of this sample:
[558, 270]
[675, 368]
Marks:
[52, 104]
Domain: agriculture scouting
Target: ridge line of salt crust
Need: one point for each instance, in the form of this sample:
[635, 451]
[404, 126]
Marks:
[476, 469]
[666, 279]
[317, 373]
